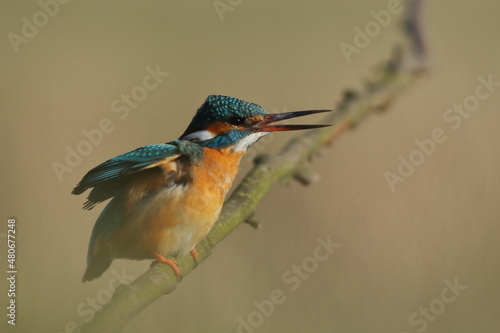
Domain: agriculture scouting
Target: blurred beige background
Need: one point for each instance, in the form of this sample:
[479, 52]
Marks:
[397, 249]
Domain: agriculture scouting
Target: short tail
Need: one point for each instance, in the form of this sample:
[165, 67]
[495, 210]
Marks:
[99, 257]
[96, 266]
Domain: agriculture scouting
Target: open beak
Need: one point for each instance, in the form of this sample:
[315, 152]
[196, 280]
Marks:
[266, 125]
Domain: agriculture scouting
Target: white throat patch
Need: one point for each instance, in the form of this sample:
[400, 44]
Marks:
[200, 135]
[247, 141]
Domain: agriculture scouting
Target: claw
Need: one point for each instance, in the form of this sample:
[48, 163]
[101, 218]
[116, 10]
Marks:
[194, 254]
[169, 262]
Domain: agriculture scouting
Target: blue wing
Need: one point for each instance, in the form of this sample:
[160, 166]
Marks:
[108, 177]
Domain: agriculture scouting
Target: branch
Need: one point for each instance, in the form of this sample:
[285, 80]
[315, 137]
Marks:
[291, 162]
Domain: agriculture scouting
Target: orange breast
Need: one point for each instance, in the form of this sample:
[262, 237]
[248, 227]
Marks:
[172, 220]
[203, 200]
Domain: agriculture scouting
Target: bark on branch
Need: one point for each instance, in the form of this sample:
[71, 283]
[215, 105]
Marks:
[397, 74]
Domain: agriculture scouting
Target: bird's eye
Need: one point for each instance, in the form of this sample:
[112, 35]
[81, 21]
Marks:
[237, 121]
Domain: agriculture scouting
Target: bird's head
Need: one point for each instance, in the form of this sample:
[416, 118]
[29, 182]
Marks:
[230, 122]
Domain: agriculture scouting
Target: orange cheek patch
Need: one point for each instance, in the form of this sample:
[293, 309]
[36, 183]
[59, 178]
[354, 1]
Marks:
[256, 119]
[219, 127]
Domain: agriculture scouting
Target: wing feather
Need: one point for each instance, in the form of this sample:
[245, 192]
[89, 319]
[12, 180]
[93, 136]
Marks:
[109, 176]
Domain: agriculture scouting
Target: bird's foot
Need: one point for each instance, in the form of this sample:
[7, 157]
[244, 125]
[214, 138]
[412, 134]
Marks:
[194, 254]
[170, 262]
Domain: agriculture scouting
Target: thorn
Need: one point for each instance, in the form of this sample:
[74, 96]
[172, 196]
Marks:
[261, 159]
[349, 95]
[383, 105]
[305, 174]
[252, 221]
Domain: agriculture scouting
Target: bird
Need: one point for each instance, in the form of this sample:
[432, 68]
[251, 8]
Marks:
[166, 197]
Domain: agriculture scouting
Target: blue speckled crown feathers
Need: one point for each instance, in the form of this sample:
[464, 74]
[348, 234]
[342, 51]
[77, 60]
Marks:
[217, 107]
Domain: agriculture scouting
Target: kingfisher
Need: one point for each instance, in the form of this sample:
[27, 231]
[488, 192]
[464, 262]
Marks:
[166, 197]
